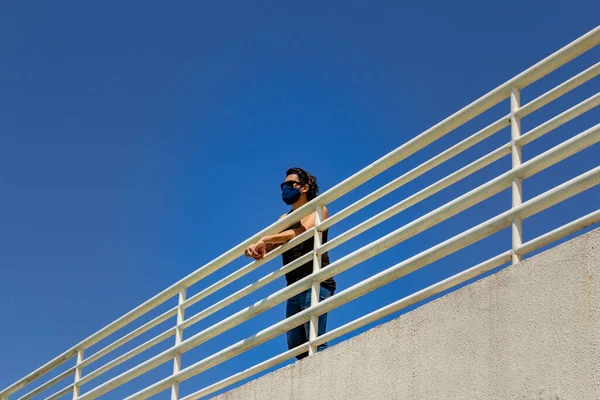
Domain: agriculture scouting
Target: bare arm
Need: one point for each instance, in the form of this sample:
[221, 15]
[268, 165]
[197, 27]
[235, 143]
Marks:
[252, 252]
[288, 235]
[272, 246]
[270, 242]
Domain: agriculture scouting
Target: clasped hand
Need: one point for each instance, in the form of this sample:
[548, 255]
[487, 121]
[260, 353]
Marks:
[257, 250]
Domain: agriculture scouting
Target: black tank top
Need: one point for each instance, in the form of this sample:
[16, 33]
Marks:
[306, 269]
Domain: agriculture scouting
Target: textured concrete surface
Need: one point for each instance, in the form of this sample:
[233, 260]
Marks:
[531, 331]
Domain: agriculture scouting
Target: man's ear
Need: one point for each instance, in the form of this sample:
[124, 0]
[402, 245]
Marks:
[304, 189]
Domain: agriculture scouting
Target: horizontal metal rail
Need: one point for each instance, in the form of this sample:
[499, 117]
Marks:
[482, 192]
[61, 393]
[567, 229]
[130, 336]
[126, 356]
[461, 173]
[560, 119]
[49, 366]
[558, 91]
[417, 197]
[50, 383]
[416, 297]
[248, 268]
[249, 372]
[247, 290]
[416, 172]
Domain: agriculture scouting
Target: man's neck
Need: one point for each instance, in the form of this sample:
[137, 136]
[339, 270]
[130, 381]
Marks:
[302, 201]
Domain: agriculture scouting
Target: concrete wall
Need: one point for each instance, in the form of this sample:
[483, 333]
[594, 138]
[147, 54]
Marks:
[531, 331]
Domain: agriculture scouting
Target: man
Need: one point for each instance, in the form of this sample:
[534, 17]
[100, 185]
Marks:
[299, 188]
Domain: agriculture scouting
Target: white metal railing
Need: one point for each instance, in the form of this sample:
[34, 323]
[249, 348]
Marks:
[519, 211]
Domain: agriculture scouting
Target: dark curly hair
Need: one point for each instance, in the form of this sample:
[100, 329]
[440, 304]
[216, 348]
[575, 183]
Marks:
[306, 179]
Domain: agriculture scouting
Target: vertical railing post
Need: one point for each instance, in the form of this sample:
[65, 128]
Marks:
[78, 373]
[315, 290]
[178, 339]
[4, 397]
[517, 182]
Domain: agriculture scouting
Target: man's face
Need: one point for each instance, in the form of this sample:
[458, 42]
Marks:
[296, 183]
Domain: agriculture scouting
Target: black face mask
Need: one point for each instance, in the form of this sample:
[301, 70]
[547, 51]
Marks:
[290, 195]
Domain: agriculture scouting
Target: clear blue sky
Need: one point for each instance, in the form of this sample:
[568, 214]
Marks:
[139, 141]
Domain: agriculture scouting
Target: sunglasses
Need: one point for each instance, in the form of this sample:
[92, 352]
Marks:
[289, 184]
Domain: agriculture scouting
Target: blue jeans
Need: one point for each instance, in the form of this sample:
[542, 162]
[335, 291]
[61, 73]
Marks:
[299, 334]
